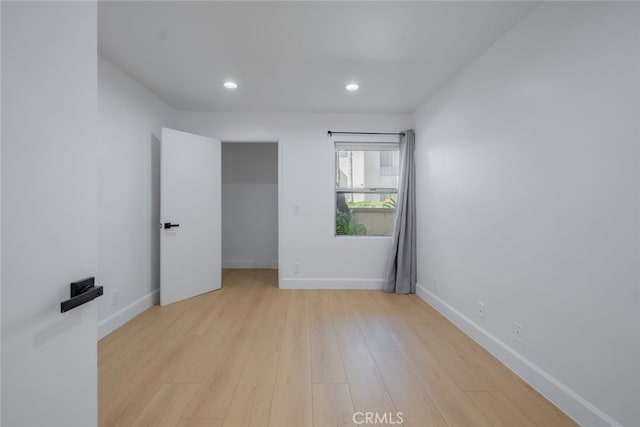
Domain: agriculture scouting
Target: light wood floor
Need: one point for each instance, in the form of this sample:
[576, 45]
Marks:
[253, 355]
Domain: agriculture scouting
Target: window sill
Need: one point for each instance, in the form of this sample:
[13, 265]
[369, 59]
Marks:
[363, 236]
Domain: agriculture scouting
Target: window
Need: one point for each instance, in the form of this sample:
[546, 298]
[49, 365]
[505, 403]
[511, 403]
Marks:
[366, 188]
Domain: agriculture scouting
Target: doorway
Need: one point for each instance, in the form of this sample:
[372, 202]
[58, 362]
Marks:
[249, 205]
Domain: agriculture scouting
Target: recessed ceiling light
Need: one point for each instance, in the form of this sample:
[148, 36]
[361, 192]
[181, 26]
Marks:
[351, 87]
[230, 85]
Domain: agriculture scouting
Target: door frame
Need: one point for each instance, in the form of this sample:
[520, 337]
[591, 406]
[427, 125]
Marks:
[280, 174]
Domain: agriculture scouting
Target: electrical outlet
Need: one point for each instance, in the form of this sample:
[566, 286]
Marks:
[297, 268]
[115, 297]
[296, 209]
[436, 285]
[481, 310]
[517, 332]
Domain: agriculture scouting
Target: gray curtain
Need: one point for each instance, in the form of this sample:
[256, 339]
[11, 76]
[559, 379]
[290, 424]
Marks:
[401, 271]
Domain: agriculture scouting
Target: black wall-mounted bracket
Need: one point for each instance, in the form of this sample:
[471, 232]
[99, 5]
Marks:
[82, 292]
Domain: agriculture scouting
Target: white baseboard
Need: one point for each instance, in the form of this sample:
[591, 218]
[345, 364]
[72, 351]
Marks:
[122, 316]
[247, 264]
[238, 263]
[268, 266]
[292, 283]
[570, 402]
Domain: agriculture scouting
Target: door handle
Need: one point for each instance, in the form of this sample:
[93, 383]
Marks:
[168, 225]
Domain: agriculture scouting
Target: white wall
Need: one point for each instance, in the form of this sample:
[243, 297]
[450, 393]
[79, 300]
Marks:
[129, 120]
[48, 212]
[306, 178]
[249, 205]
[528, 183]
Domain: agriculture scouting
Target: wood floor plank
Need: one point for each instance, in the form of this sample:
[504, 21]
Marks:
[252, 399]
[371, 325]
[498, 409]
[118, 371]
[197, 363]
[166, 407]
[326, 361]
[456, 361]
[173, 320]
[345, 320]
[298, 310]
[269, 336]
[368, 390]
[452, 402]
[533, 404]
[215, 310]
[145, 328]
[115, 375]
[214, 396]
[408, 395]
[332, 406]
[112, 345]
[133, 396]
[292, 400]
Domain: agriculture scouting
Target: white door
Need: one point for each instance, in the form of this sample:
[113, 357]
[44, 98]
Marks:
[190, 196]
[49, 213]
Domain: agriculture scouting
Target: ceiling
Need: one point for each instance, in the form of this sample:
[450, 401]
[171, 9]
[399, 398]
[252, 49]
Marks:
[298, 56]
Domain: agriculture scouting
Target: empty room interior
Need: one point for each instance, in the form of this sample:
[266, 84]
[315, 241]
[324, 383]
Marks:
[318, 213]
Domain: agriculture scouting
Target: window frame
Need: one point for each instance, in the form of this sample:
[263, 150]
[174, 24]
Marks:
[369, 145]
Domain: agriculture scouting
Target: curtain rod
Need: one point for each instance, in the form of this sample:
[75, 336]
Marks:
[331, 132]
